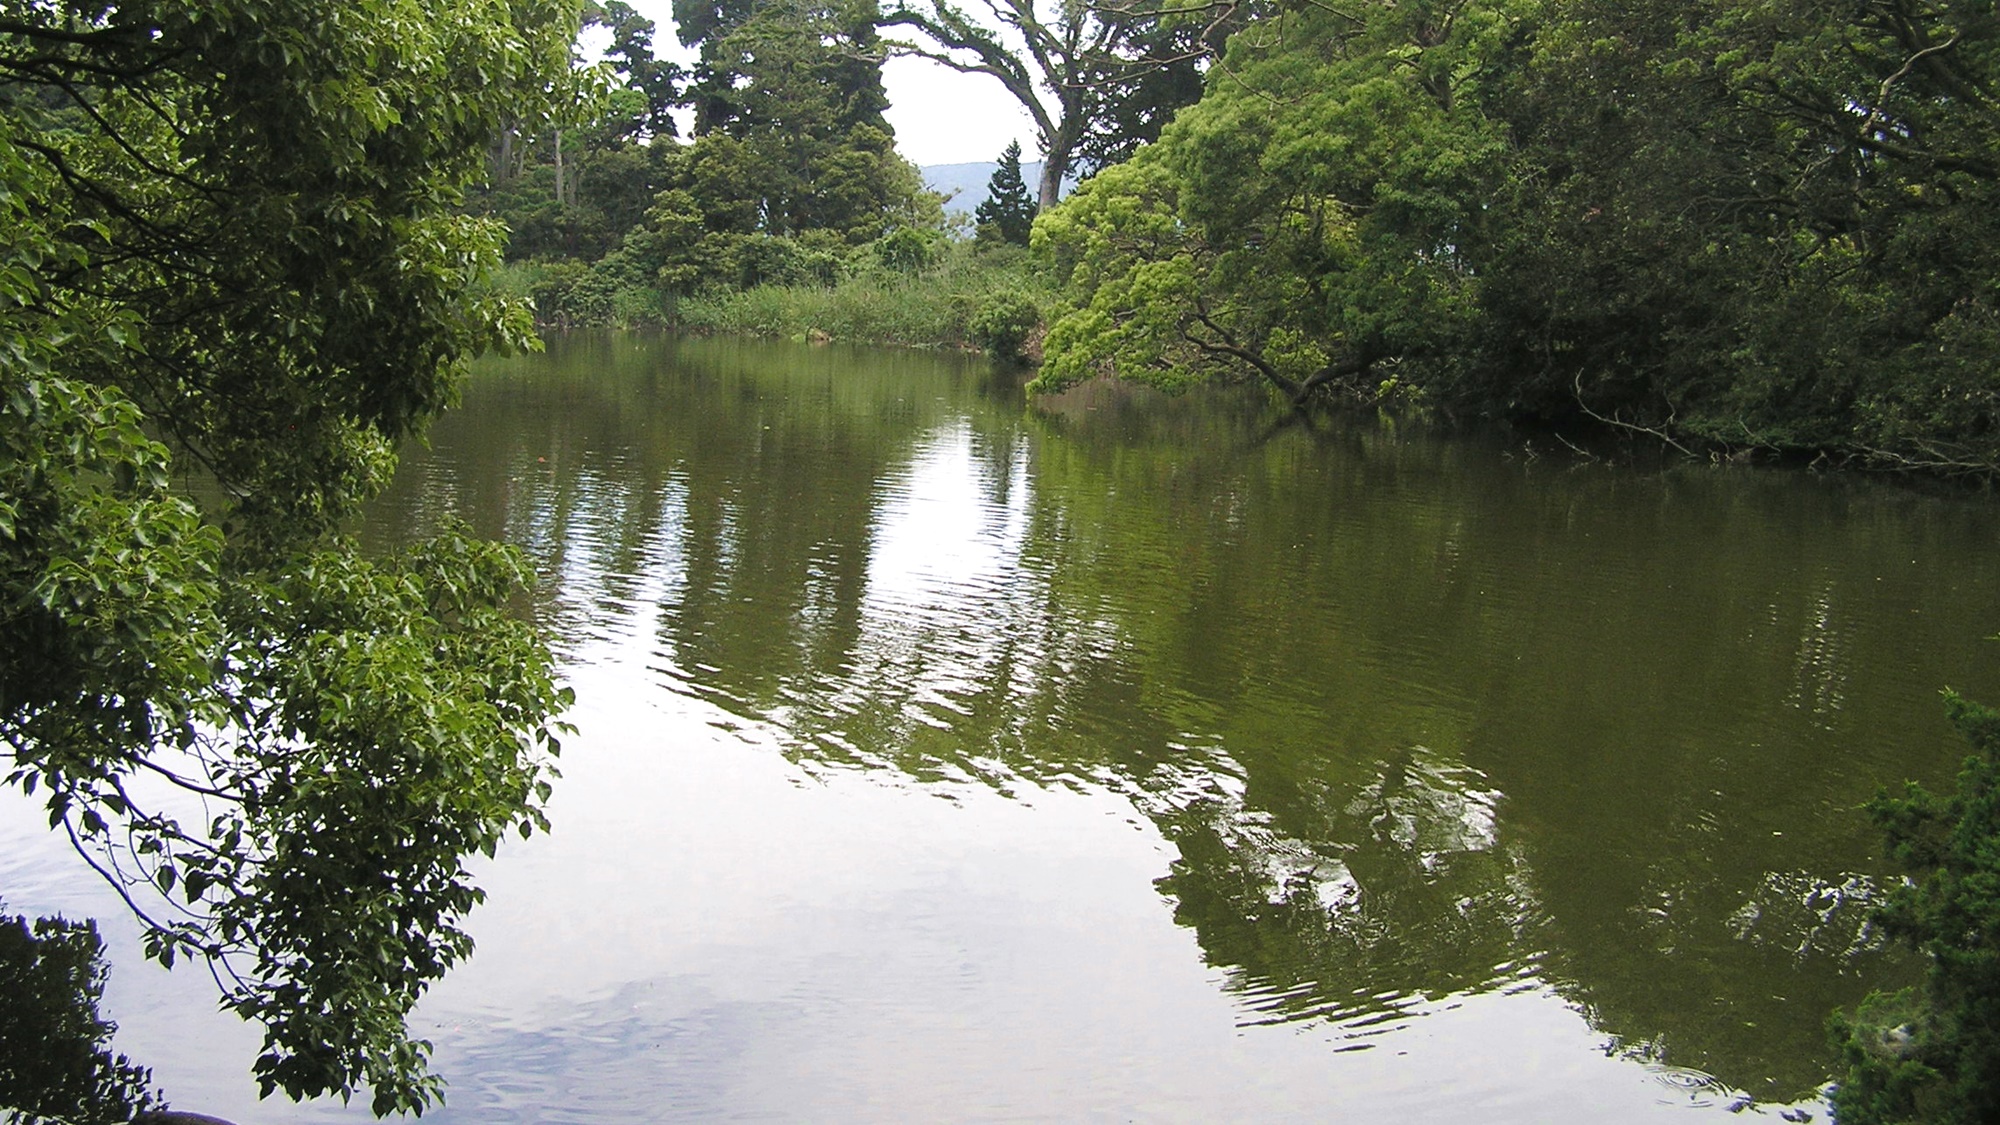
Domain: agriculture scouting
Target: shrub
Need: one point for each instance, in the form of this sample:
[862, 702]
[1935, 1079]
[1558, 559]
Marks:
[572, 294]
[908, 249]
[1002, 323]
[1933, 1055]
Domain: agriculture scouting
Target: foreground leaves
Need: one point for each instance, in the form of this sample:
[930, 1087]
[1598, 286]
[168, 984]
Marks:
[231, 278]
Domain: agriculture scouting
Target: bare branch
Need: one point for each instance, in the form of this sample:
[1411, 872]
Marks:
[1624, 425]
[184, 783]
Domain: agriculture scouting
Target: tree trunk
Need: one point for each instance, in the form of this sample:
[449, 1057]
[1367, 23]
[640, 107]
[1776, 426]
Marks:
[1050, 188]
[503, 156]
[559, 169]
[1056, 158]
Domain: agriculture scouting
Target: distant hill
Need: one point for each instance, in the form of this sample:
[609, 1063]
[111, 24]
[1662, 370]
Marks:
[970, 180]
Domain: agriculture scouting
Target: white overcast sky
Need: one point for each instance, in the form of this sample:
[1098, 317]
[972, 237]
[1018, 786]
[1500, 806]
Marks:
[940, 115]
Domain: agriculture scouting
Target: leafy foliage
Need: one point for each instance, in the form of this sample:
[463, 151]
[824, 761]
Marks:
[232, 276]
[1935, 1056]
[1762, 224]
[654, 80]
[1313, 244]
[1004, 323]
[791, 174]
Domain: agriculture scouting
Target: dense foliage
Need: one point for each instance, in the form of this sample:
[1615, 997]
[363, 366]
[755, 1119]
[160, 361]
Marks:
[233, 275]
[1934, 1056]
[1749, 223]
[791, 177]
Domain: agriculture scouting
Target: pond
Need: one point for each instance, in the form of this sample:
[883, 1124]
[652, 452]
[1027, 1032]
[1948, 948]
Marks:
[948, 755]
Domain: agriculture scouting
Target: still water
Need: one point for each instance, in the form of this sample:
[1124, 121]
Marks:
[947, 756]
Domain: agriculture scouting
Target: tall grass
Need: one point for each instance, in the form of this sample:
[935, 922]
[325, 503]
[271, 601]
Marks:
[939, 306]
[932, 308]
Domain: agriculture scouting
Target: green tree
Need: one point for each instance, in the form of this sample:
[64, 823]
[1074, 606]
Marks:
[654, 80]
[1778, 233]
[758, 56]
[1934, 1056]
[797, 91]
[1773, 227]
[574, 189]
[233, 275]
[1098, 80]
[1306, 223]
[1007, 210]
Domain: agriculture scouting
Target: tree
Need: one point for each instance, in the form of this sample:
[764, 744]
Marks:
[1007, 210]
[790, 136]
[574, 190]
[1775, 228]
[757, 55]
[1934, 1055]
[1306, 223]
[232, 277]
[1097, 80]
[655, 81]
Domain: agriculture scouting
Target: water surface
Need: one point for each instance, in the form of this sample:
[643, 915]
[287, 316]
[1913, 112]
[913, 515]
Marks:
[948, 756]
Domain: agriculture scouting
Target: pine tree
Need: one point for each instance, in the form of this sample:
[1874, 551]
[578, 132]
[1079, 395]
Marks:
[1008, 210]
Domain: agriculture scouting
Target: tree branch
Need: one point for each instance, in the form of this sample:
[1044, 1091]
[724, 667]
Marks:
[1624, 425]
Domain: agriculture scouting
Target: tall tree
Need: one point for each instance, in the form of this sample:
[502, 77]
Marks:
[655, 81]
[232, 277]
[1775, 228]
[759, 56]
[1305, 223]
[1007, 209]
[790, 135]
[1097, 79]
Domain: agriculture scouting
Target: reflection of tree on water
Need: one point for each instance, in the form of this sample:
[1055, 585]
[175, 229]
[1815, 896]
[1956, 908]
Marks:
[56, 1061]
[1404, 892]
[1617, 773]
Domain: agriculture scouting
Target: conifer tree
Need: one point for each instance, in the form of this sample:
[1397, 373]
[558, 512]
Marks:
[1008, 210]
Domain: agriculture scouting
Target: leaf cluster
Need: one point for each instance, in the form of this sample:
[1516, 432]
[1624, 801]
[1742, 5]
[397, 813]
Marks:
[233, 274]
[1934, 1055]
[1747, 223]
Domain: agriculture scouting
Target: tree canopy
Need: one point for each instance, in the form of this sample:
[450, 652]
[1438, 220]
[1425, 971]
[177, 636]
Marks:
[1756, 225]
[232, 276]
[1098, 80]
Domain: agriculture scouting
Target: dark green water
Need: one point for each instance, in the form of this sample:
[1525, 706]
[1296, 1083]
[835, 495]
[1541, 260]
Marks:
[948, 756]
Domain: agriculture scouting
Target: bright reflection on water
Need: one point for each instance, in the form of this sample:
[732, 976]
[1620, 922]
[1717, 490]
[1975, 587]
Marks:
[948, 757]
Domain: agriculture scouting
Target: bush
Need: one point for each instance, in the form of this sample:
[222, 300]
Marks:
[908, 249]
[1002, 324]
[1933, 1055]
[572, 295]
[936, 307]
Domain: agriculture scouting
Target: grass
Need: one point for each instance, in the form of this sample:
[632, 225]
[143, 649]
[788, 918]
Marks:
[940, 306]
[935, 307]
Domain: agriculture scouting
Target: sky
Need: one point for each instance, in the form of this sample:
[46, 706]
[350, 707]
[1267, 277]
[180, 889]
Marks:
[940, 116]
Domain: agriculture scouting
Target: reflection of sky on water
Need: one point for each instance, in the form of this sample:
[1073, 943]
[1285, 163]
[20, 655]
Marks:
[713, 933]
[948, 597]
[755, 903]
